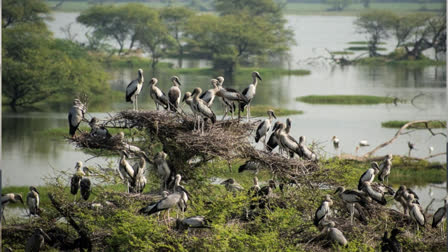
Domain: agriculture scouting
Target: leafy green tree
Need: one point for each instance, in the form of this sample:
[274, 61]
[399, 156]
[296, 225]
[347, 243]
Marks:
[175, 19]
[376, 25]
[338, 5]
[36, 67]
[24, 11]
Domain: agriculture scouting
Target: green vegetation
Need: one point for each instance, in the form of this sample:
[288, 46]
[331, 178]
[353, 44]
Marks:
[364, 48]
[243, 71]
[345, 99]
[260, 111]
[399, 124]
[363, 43]
[388, 60]
[342, 53]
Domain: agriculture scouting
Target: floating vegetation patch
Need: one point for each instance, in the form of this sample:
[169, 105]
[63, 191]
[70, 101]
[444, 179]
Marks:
[260, 110]
[399, 124]
[364, 48]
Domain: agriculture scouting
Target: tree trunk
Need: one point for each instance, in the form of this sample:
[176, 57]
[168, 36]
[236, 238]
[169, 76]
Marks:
[13, 105]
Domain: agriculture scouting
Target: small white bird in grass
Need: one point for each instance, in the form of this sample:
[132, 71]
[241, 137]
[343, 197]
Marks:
[133, 89]
[335, 142]
[264, 128]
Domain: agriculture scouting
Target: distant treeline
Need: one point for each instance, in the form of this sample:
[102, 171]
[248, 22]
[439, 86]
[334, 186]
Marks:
[372, 1]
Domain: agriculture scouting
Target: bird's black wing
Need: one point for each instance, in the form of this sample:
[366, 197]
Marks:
[412, 192]
[272, 142]
[316, 218]
[85, 188]
[361, 180]
[74, 184]
[258, 136]
[130, 93]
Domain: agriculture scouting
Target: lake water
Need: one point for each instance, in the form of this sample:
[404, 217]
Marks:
[28, 155]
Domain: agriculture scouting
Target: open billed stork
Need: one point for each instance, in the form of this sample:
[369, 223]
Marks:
[202, 109]
[438, 217]
[402, 196]
[416, 212]
[229, 105]
[231, 185]
[139, 180]
[368, 175]
[209, 95]
[98, 131]
[185, 194]
[385, 169]
[32, 201]
[351, 197]
[75, 116]
[171, 201]
[334, 234]
[264, 128]
[287, 142]
[125, 169]
[335, 141]
[377, 196]
[76, 178]
[133, 89]
[229, 96]
[9, 198]
[159, 97]
[174, 94]
[306, 152]
[37, 241]
[85, 184]
[323, 211]
[249, 93]
[391, 243]
[163, 170]
[273, 140]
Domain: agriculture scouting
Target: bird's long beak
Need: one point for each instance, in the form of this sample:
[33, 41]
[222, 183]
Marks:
[259, 77]
[184, 98]
[178, 82]
[274, 115]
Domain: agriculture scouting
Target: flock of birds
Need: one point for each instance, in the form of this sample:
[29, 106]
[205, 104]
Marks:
[175, 196]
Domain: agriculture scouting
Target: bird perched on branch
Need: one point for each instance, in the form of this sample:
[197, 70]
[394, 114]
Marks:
[306, 152]
[202, 109]
[133, 89]
[209, 96]
[159, 97]
[229, 105]
[174, 94]
[411, 147]
[75, 116]
[249, 93]
[264, 128]
[438, 217]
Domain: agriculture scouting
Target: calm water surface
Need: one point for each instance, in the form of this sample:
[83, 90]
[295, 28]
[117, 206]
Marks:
[29, 155]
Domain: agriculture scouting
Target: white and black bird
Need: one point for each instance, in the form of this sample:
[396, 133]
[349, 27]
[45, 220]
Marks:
[352, 197]
[411, 147]
[133, 89]
[229, 96]
[37, 241]
[250, 165]
[139, 181]
[97, 130]
[385, 168]
[368, 175]
[255, 188]
[76, 178]
[163, 170]
[249, 93]
[85, 184]
[202, 109]
[323, 211]
[334, 234]
[171, 201]
[273, 140]
[9, 198]
[229, 105]
[264, 128]
[363, 143]
[147, 209]
[126, 170]
[174, 94]
[159, 97]
[416, 212]
[209, 96]
[377, 196]
[231, 185]
[287, 142]
[32, 201]
[335, 141]
[439, 216]
[402, 196]
[185, 194]
[75, 116]
[193, 222]
[306, 152]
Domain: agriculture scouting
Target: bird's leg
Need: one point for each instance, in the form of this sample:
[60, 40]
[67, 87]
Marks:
[265, 144]
[352, 212]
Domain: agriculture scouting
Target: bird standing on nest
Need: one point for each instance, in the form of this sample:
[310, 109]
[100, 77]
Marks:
[174, 94]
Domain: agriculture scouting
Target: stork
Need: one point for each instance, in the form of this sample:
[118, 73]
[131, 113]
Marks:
[174, 94]
[411, 147]
[335, 141]
[37, 241]
[193, 222]
[391, 244]
[209, 96]
[231, 185]
[249, 93]
[323, 211]
[255, 188]
[250, 165]
[287, 142]
[188, 99]
[9, 198]
[98, 131]
[385, 169]
[368, 175]
[75, 116]
[147, 209]
[185, 194]
[126, 170]
[306, 152]
[229, 106]
[163, 169]
[438, 217]
[264, 128]
[159, 97]
[230, 95]
[335, 234]
[273, 140]
[375, 195]
[402, 196]
[202, 109]
[133, 89]
[76, 179]
[139, 180]
[168, 202]
[85, 184]
[32, 201]
[416, 212]
[351, 197]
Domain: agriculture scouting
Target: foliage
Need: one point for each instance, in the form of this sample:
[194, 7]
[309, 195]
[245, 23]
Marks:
[399, 124]
[338, 5]
[260, 111]
[375, 24]
[38, 67]
[175, 18]
[345, 99]
[24, 11]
